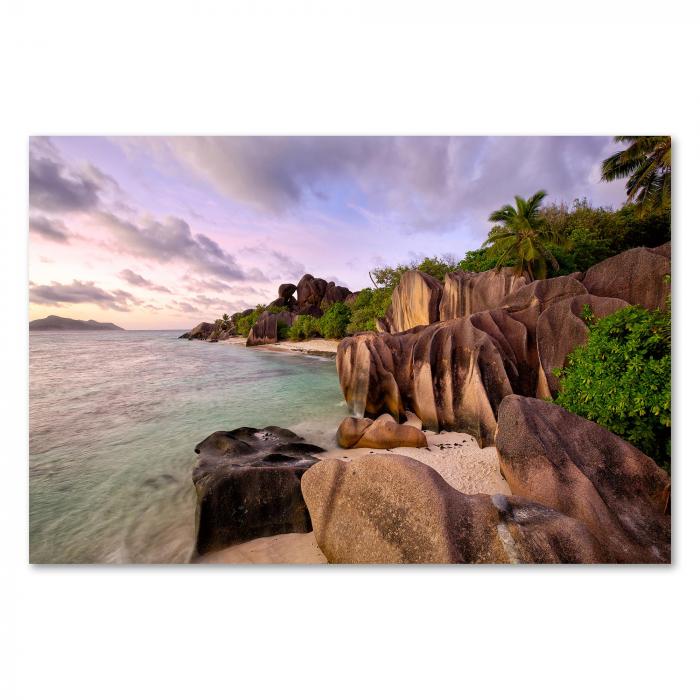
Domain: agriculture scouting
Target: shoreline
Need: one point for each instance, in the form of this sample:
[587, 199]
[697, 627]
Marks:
[320, 347]
[457, 457]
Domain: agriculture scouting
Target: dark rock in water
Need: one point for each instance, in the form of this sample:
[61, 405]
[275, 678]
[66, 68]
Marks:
[391, 509]
[248, 485]
[639, 276]
[200, 332]
[584, 471]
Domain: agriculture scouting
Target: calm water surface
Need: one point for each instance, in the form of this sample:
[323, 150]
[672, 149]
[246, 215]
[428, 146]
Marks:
[113, 421]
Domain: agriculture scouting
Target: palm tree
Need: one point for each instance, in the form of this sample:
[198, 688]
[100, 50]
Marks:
[647, 163]
[520, 235]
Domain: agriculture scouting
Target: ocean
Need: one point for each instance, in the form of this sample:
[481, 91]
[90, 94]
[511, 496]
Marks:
[113, 421]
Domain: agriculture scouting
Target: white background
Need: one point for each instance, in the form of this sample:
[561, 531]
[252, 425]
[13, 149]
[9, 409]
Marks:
[347, 68]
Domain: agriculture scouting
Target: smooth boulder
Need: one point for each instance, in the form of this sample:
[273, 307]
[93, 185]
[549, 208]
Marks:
[384, 433]
[581, 469]
[639, 276]
[392, 509]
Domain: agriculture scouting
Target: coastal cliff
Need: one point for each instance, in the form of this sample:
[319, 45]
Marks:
[59, 323]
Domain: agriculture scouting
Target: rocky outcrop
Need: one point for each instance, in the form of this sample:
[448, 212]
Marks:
[639, 276]
[264, 330]
[286, 291]
[560, 329]
[248, 485]
[200, 332]
[414, 302]
[391, 509]
[310, 291]
[466, 293]
[586, 472]
[383, 433]
[453, 374]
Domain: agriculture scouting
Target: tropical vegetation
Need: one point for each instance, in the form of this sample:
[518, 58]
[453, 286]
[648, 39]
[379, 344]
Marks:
[621, 378]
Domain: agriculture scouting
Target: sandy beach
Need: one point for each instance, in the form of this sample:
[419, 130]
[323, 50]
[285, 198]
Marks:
[457, 457]
[315, 346]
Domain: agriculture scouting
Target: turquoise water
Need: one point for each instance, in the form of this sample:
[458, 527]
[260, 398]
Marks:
[113, 421]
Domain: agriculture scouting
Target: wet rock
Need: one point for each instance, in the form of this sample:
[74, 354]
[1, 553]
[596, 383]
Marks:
[248, 485]
[392, 509]
[586, 472]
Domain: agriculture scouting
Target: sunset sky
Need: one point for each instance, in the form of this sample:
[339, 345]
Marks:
[164, 232]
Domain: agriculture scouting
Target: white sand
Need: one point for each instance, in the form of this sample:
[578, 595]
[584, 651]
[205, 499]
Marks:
[294, 548]
[314, 346]
[457, 457]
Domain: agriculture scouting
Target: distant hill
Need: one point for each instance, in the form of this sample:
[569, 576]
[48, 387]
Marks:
[58, 323]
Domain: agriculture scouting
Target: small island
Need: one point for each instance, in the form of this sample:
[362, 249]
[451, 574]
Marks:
[59, 323]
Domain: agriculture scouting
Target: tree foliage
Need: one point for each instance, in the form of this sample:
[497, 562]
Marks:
[520, 236]
[621, 378]
[334, 323]
[646, 162]
[304, 327]
[370, 305]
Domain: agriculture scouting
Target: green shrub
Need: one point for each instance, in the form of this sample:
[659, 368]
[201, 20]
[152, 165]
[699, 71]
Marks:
[303, 327]
[245, 323]
[282, 331]
[437, 267]
[334, 322]
[369, 305]
[621, 379]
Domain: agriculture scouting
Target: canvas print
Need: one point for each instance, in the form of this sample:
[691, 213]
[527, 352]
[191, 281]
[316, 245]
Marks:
[350, 349]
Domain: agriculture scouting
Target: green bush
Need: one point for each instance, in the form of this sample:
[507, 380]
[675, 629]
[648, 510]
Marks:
[437, 267]
[245, 323]
[334, 323]
[369, 305]
[621, 378]
[282, 331]
[303, 327]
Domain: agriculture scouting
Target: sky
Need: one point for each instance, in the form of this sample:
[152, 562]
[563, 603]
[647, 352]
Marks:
[165, 232]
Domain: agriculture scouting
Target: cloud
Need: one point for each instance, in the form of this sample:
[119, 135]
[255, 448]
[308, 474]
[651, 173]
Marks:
[132, 278]
[428, 184]
[172, 240]
[51, 229]
[57, 294]
[54, 187]
[280, 266]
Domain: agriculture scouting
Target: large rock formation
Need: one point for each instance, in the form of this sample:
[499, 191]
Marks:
[584, 471]
[264, 330]
[639, 276]
[466, 293]
[383, 433]
[560, 329]
[414, 302]
[248, 485]
[392, 509]
[453, 374]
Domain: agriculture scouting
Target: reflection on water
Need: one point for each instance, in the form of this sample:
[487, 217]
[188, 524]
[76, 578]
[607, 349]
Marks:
[114, 418]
